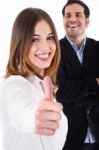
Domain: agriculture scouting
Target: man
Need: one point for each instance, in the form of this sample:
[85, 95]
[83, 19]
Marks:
[78, 76]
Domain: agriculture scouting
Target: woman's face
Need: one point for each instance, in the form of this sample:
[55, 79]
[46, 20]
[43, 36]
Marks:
[43, 47]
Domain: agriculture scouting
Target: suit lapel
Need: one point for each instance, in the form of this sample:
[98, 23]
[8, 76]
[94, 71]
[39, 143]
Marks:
[69, 52]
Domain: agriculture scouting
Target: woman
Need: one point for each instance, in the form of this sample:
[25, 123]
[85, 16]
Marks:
[30, 116]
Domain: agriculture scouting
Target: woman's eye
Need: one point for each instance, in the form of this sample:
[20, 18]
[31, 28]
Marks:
[51, 38]
[35, 40]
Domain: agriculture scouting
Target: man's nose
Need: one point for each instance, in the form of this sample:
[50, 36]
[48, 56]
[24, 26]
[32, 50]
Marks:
[73, 17]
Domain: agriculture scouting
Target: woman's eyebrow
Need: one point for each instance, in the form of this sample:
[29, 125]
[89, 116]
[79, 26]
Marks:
[35, 35]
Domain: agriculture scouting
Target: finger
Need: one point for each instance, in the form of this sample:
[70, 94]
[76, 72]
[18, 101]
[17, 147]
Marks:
[44, 131]
[47, 124]
[50, 106]
[42, 115]
[48, 88]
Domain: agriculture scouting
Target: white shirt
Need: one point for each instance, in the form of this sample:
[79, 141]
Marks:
[18, 102]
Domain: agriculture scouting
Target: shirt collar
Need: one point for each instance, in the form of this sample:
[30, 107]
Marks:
[74, 45]
[35, 79]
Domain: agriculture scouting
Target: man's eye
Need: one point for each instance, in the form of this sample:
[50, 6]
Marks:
[78, 15]
[67, 15]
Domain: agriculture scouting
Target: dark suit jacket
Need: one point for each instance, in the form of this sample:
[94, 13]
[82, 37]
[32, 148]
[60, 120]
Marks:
[78, 88]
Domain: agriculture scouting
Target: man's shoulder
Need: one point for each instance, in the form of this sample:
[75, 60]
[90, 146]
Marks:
[64, 42]
[63, 39]
[92, 43]
[92, 40]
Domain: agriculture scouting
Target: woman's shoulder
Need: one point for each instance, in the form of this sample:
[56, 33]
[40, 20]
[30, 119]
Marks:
[14, 81]
[15, 78]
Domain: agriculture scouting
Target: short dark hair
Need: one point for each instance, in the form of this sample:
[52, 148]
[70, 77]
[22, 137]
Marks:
[86, 8]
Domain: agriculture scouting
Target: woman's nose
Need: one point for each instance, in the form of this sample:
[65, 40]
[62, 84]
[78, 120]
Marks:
[44, 44]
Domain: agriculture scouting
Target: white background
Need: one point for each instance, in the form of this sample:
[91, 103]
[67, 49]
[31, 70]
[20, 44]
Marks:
[10, 8]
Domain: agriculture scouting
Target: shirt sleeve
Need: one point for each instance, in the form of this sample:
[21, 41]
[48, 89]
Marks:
[20, 106]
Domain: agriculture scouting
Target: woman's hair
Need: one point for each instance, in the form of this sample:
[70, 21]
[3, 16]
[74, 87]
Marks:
[21, 40]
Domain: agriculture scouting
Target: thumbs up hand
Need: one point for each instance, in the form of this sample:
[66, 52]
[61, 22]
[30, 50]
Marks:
[48, 114]
[48, 88]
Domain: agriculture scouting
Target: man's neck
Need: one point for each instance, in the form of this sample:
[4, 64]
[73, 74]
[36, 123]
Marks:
[77, 40]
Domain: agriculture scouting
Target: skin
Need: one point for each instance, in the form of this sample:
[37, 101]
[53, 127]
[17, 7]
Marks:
[75, 23]
[42, 51]
[43, 47]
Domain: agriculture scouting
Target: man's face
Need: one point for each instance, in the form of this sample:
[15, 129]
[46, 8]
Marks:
[75, 22]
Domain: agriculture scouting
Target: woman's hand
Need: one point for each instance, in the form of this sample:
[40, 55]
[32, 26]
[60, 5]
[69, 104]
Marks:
[48, 114]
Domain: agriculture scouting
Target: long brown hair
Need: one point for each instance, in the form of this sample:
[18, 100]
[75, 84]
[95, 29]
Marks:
[21, 40]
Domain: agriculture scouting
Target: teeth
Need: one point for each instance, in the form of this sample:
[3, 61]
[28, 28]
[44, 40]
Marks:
[72, 26]
[42, 55]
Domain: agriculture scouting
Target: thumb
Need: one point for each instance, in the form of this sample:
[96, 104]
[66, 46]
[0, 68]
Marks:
[48, 88]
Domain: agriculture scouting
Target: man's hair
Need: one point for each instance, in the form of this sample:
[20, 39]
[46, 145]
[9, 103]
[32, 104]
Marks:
[70, 2]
